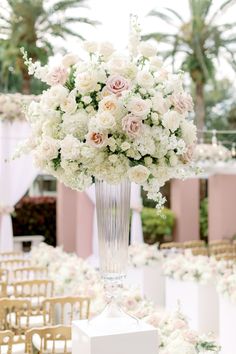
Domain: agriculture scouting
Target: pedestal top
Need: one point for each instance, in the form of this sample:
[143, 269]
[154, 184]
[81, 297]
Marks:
[92, 331]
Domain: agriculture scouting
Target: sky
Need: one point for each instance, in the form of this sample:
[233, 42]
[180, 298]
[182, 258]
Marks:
[114, 18]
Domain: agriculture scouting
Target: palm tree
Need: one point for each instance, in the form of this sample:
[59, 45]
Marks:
[32, 25]
[197, 44]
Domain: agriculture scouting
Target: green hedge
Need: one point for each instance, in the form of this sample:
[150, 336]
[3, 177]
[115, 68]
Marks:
[204, 218]
[36, 216]
[157, 227]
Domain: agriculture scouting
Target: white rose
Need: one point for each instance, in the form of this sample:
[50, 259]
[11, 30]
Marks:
[70, 148]
[145, 79]
[147, 50]
[106, 120]
[69, 60]
[159, 103]
[106, 49]
[138, 174]
[155, 118]
[49, 148]
[90, 46]
[86, 82]
[54, 96]
[117, 65]
[86, 99]
[139, 107]
[171, 120]
[69, 105]
[109, 104]
[189, 132]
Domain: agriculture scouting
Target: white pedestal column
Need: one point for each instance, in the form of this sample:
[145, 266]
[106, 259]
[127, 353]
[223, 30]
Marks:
[227, 326]
[199, 303]
[151, 282]
[138, 340]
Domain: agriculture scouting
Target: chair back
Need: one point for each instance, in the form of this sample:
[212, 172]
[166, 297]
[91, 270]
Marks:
[35, 290]
[6, 342]
[65, 309]
[30, 273]
[12, 264]
[194, 243]
[3, 289]
[169, 245]
[4, 275]
[200, 251]
[46, 340]
[4, 256]
[15, 315]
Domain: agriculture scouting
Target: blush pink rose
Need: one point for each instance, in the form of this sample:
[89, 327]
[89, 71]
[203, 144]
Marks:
[132, 125]
[57, 76]
[182, 102]
[188, 156]
[96, 139]
[116, 84]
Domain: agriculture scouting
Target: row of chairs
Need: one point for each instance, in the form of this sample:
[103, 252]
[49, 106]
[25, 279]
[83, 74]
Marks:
[31, 318]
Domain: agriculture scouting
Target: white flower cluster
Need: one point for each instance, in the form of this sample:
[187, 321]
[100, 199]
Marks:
[142, 254]
[74, 276]
[187, 267]
[226, 284]
[112, 116]
[13, 106]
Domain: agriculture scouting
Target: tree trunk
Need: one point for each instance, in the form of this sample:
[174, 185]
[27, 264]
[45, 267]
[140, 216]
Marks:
[200, 111]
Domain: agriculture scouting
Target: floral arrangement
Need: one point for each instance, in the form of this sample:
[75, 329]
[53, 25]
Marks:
[142, 254]
[77, 277]
[13, 106]
[226, 284]
[212, 153]
[112, 116]
[187, 267]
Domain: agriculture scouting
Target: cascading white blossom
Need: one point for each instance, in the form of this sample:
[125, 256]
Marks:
[112, 116]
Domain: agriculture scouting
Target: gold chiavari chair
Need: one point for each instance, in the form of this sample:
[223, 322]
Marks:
[35, 290]
[63, 310]
[4, 256]
[11, 264]
[228, 248]
[226, 257]
[169, 245]
[8, 345]
[53, 339]
[4, 275]
[219, 243]
[194, 243]
[18, 316]
[200, 251]
[3, 289]
[30, 273]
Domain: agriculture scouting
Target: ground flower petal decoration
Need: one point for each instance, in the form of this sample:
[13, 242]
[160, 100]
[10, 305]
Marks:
[112, 116]
[74, 276]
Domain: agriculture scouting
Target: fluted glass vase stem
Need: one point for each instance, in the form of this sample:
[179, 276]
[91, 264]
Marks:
[113, 215]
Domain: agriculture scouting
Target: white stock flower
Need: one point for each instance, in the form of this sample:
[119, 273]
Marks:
[159, 103]
[145, 79]
[138, 174]
[69, 105]
[147, 50]
[171, 120]
[155, 63]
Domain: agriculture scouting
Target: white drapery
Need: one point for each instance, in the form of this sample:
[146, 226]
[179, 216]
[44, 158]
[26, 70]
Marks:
[16, 176]
[136, 235]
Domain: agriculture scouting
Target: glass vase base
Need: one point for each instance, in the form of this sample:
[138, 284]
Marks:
[113, 319]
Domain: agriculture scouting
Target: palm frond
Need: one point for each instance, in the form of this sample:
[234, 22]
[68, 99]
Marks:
[224, 7]
[175, 13]
[159, 37]
[164, 17]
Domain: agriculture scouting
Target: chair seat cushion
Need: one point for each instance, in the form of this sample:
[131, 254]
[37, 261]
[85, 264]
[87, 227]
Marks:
[59, 345]
[16, 349]
[34, 321]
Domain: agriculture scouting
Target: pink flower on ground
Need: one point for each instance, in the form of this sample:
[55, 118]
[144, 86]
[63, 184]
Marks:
[96, 139]
[57, 76]
[182, 102]
[116, 84]
[132, 125]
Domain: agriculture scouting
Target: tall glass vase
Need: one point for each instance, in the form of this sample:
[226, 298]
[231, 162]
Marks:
[113, 215]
